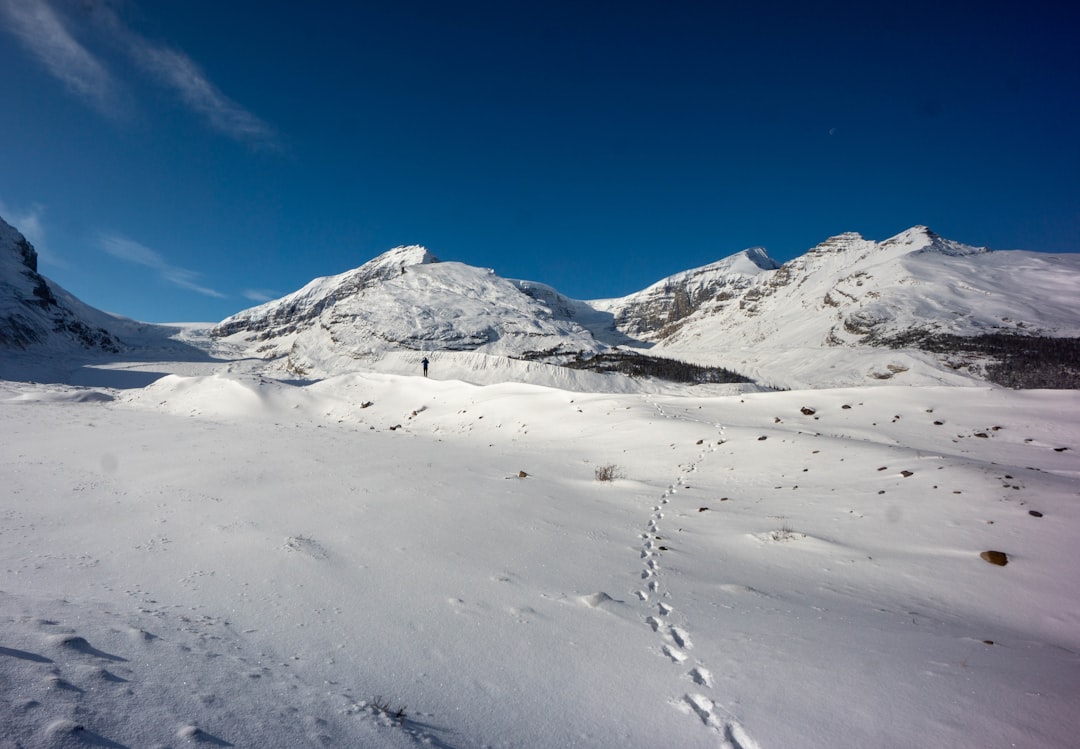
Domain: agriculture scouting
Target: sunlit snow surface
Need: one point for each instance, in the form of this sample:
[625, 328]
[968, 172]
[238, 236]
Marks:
[219, 558]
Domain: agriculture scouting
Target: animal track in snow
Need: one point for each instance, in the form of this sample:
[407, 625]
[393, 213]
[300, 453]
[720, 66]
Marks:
[681, 638]
[704, 708]
[701, 676]
[673, 653]
[675, 639]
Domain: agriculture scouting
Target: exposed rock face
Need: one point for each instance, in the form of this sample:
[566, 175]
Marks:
[33, 311]
[659, 311]
[300, 309]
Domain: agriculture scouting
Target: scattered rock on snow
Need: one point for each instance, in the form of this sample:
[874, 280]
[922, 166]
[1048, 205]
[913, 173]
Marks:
[597, 599]
[1000, 558]
[808, 411]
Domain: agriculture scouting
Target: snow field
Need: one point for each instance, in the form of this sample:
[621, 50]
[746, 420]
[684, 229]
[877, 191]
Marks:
[249, 562]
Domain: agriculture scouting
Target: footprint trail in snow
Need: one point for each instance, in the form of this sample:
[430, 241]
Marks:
[676, 642]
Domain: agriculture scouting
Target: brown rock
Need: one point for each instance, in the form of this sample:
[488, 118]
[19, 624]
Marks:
[1000, 558]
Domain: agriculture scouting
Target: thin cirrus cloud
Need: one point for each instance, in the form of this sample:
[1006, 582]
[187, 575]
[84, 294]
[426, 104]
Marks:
[31, 225]
[49, 36]
[123, 248]
[176, 70]
[260, 295]
[43, 32]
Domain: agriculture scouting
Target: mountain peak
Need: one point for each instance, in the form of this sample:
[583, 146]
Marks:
[393, 263]
[406, 254]
[33, 311]
[921, 238]
[11, 239]
[759, 257]
[839, 243]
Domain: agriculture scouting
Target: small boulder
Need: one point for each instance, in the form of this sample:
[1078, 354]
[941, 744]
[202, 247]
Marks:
[1000, 558]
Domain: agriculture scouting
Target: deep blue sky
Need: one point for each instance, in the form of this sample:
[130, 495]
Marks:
[181, 160]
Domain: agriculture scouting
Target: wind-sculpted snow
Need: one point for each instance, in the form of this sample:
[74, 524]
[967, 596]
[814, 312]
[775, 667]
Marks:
[378, 560]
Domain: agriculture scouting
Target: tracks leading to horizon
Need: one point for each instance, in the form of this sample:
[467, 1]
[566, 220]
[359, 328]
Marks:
[671, 628]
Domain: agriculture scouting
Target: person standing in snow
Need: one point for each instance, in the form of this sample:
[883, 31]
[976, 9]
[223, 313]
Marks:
[424, 361]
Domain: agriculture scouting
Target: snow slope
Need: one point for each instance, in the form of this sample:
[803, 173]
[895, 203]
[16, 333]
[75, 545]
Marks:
[820, 320]
[198, 548]
[231, 560]
[846, 313]
[36, 312]
[807, 323]
[403, 300]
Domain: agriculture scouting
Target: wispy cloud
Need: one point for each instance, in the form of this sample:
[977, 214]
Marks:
[51, 37]
[260, 295]
[123, 248]
[31, 225]
[176, 70]
[48, 38]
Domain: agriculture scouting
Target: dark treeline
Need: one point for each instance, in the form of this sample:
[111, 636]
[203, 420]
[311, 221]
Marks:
[642, 365]
[1023, 362]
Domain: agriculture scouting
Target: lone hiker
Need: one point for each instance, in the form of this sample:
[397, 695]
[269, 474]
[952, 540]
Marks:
[424, 361]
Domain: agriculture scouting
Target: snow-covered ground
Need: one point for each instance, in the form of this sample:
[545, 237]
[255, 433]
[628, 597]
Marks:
[383, 560]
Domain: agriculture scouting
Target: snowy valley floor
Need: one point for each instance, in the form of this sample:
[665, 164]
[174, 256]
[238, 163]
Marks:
[228, 560]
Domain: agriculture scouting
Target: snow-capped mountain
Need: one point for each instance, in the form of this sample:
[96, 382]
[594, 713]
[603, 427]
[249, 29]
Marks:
[405, 300]
[660, 310]
[37, 313]
[852, 310]
[849, 311]
[915, 309]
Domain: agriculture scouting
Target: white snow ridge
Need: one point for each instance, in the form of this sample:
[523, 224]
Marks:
[284, 535]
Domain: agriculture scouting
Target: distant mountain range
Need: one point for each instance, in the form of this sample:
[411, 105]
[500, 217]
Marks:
[915, 308]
